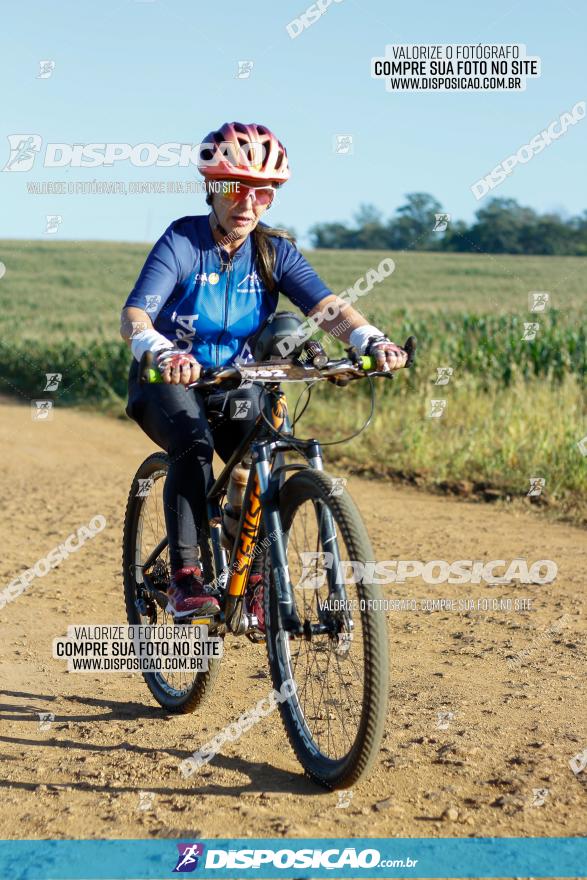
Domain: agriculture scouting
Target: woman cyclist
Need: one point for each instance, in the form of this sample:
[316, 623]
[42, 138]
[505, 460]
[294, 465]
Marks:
[206, 287]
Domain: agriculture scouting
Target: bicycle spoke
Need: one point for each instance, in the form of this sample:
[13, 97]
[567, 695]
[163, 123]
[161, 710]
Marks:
[150, 531]
[330, 685]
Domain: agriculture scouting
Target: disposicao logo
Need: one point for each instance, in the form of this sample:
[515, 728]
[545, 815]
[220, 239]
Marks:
[189, 855]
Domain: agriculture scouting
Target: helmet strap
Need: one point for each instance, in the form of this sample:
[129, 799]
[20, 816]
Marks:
[217, 223]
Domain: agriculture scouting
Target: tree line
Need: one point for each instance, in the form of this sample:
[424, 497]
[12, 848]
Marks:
[502, 226]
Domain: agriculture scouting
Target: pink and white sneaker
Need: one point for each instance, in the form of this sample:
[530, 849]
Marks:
[188, 595]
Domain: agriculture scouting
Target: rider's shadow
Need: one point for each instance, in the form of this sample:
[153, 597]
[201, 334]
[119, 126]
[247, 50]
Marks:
[263, 777]
[117, 711]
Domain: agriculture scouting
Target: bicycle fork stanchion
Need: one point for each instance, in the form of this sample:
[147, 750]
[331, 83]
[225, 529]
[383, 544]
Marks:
[336, 588]
[269, 488]
[335, 575]
[314, 455]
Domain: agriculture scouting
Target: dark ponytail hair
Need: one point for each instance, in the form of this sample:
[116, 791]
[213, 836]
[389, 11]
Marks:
[264, 248]
[265, 251]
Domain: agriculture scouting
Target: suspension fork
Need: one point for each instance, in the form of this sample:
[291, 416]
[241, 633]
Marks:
[335, 575]
[269, 496]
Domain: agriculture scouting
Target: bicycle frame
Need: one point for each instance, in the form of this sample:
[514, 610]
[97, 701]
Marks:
[261, 507]
[261, 498]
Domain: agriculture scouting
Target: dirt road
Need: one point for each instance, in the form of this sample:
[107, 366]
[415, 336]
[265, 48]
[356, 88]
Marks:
[106, 766]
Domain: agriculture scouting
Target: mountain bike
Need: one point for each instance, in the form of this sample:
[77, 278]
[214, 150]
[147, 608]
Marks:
[323, 630]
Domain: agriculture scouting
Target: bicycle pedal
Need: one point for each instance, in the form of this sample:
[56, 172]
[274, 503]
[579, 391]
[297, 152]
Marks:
[193, 621]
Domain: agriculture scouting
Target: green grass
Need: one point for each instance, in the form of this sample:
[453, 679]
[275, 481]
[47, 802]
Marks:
[57, 288]
[516, 408]
[432, 283]
[498, 439]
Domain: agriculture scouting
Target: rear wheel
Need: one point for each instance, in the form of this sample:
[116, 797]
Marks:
[336, 717]
[144, 531]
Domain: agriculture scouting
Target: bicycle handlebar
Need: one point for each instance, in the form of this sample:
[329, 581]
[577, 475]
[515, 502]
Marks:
[353, 367]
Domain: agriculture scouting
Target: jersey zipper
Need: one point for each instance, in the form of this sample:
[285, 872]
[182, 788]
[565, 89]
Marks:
[225, 312]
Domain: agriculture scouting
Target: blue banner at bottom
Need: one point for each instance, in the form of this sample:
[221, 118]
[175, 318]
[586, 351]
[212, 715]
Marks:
[314, 857]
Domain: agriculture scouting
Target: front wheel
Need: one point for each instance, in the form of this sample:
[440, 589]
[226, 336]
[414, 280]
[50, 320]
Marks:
[335, 718]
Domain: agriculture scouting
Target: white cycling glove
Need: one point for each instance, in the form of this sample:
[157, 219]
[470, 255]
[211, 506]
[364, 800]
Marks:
[361, 336]
[148, 340]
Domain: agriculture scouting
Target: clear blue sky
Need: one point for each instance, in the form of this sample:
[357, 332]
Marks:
[165, 70]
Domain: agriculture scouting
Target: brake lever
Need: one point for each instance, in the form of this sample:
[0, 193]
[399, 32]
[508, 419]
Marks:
[385, 374]
[209, 378]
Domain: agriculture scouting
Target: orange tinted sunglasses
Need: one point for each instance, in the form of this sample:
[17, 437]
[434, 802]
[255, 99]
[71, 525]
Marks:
[235, 191]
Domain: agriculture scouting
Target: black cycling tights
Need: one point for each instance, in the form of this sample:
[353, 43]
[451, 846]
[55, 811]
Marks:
[189, 426]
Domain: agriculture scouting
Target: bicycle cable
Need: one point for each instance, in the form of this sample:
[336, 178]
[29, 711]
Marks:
[365, 425]
[307, 389]
[296, 440]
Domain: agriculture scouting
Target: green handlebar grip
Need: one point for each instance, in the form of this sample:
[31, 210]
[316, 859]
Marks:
[367, 362]
[148, 374]
[152, 376]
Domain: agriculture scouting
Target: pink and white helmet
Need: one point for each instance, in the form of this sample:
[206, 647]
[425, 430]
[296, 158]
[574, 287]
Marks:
[247, 152]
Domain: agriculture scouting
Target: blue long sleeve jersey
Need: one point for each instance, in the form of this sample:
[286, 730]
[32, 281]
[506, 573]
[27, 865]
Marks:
[210, 305]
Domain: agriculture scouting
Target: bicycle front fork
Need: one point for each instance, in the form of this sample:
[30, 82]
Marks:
[269, 484]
